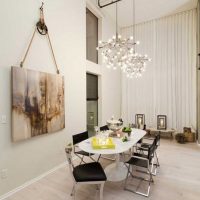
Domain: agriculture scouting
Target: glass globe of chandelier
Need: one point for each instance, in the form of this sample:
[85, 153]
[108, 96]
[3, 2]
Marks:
[135, 65]
[115, 51]
[120, 53]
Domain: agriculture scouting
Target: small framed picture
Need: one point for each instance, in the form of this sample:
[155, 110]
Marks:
[139, 119]
[161, 122]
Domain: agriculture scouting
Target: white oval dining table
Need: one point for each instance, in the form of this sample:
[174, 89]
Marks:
[116, 171]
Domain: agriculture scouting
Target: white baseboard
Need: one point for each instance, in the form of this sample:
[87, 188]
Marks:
[32, 181]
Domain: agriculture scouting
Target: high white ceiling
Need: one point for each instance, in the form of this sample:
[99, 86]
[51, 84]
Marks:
[147, 9]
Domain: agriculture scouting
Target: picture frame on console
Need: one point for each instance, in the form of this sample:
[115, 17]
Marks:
[140, 120]
[161, 122]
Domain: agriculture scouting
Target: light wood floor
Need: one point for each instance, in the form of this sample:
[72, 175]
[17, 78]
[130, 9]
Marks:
[177, 179]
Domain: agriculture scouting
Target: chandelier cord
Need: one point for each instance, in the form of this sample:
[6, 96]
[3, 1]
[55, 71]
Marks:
[134, 24]
[116, 22]
[120, 52]
[43, 30]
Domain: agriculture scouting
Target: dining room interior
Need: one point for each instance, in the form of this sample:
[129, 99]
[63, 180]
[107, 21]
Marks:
[100, 99]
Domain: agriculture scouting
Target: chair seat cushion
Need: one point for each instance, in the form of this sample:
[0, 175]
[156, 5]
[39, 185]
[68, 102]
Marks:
[140, 155]
[145, 145]
[143, 156]
[138, 162]
[83, 153]
[89, 172]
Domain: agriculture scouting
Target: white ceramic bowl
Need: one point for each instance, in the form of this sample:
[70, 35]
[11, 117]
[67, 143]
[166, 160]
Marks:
[114, 125]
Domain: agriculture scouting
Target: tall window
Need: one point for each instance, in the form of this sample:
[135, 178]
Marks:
[92, 103]
[91, 36]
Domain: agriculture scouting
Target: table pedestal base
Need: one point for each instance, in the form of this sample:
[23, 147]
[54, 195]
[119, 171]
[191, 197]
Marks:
[116, 171]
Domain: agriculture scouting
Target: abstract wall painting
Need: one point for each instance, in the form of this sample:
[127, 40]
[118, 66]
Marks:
[37, 103]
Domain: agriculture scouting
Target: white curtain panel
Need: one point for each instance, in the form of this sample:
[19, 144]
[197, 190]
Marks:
[168, 86]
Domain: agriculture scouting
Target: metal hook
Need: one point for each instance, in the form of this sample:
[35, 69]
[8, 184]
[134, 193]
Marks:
[41, 8]
[41, 26]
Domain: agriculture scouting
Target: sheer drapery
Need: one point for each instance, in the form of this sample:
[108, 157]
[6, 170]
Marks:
[168, 86]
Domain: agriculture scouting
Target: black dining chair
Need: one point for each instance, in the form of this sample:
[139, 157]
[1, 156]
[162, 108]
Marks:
[80, 153]
[89, 173]
[144, 148]
[104, 128]
[145, 163]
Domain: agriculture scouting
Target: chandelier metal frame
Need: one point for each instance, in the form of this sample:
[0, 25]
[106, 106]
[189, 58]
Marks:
[107, 4]
[121, 53]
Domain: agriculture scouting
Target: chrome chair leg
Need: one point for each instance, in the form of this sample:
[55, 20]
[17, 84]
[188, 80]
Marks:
[92, 159]
[140, 193]
[157, 159]
[149, 180]
[101, 191]
[73, 191]
[126, 177]
[99, 158]
[82, 161]
[155, 165]
[82, 157]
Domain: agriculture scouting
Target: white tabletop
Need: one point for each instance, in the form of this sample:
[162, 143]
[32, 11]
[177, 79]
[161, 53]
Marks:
[120, 146]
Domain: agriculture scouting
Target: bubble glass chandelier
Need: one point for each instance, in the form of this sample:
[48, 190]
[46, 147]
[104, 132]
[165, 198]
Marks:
[121, 53]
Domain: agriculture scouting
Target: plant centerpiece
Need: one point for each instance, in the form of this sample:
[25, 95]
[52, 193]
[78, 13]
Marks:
[126, 130]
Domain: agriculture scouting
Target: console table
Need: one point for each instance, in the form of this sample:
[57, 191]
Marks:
[168, 132]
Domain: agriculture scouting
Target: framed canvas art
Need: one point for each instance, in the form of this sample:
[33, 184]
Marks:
[37, 103]
[139, 120]
[161, 122]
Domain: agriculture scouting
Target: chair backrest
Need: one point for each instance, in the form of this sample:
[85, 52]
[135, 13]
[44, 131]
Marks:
[80, 137]
[157, 138]
[152, 149]
[104, 128]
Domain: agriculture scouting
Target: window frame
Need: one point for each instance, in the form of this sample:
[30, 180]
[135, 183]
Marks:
[97, 31]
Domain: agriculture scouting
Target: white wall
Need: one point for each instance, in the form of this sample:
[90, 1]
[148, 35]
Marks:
[66, 22]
